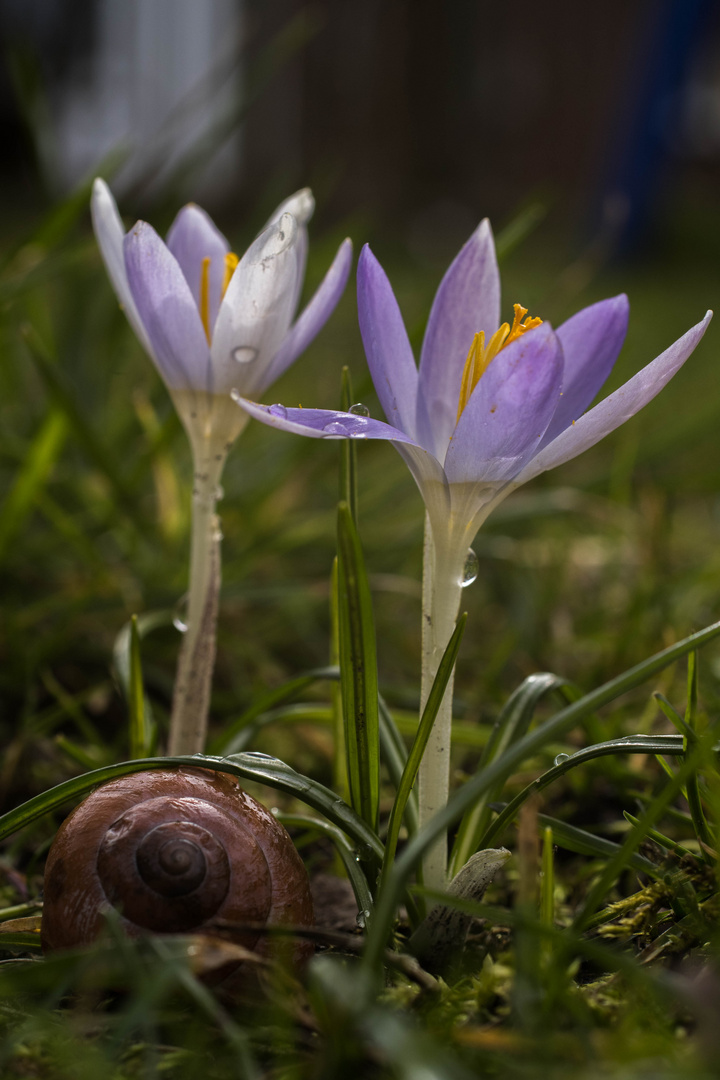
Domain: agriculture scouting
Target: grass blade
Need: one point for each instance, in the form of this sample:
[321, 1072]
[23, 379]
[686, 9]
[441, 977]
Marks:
[630, 744]
[512, 723]
[563, 721]
[259, 767]
[358, 672]
[138, 719]
[346, 852]
[417, 749]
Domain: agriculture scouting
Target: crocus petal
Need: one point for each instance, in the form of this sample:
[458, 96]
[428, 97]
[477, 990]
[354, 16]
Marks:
[193, 237]
[618, 407]
[321, 423]
[467, 301]
[591, 341]
[509, 410]
[387, 347]
[110, 236]
[314, 317]
[330, 424]
[256, 310]
[167, 310]
[302, 207]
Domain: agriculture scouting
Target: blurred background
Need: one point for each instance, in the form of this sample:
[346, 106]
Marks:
[590, 134]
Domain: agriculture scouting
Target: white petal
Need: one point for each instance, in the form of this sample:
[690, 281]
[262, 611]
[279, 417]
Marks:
[257, 309]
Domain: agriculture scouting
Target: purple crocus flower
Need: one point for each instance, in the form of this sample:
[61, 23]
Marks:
[474, 427]
[489, 408]
[210, 321]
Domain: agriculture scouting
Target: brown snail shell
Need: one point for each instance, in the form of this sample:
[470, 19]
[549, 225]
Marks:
[173, 851]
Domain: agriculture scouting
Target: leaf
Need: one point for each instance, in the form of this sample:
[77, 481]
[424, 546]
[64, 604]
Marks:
[420, 741]
[347, 854]
[465, 797]
[512, 723]
[358, 672]
[259, 767]
[630, 744]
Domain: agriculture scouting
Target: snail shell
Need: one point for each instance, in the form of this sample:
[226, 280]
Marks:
[172, 851]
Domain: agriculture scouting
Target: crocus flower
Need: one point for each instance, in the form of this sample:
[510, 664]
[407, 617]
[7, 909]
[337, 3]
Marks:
[490, 407]
[211, 322]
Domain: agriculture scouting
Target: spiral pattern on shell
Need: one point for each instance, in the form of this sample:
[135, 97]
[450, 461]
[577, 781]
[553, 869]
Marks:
[172, 851]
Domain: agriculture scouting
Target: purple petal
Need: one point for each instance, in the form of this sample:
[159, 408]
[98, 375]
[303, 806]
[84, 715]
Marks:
[328, 424]
[387, 347]
[506, 417]
[467, 301]
[167, 310]
[193, 237]
[321, 423]
[314, 317]
[257, 309]
[618, 407]
[591, 341]
[110, 236]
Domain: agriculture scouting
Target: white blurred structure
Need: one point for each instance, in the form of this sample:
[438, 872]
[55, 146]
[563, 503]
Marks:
[162, 77]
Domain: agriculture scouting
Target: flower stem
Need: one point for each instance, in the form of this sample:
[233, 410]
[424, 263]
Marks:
[191, 698]
[442, 588]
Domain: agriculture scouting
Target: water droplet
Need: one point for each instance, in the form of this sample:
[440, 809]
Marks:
[335, 430]
[470, 569]
[244, 354]
[278, 410]
[180, 615]
[359, 409]
[361, 919]
[258, 755]
[562, 758]
[358, 435]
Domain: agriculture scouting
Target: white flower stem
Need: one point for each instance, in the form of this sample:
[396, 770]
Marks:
[442, 588]
[193, 682]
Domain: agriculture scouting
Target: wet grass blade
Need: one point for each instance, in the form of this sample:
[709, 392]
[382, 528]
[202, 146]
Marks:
[653, 813]
[512, 723]
[347, 853]
[629, 744]
[259, 767]
[358, 672]
[582, 842]
[465, 797]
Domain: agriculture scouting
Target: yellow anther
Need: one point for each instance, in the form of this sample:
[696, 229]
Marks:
[231, 261]
[519, 327]
[205, 298]
[480, 355]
